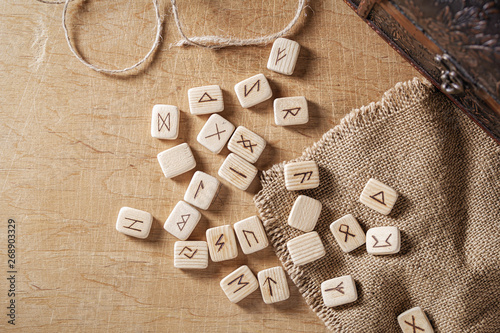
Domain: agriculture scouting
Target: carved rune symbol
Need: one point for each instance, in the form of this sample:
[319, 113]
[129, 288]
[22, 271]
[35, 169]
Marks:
[199, 186]
[255, 84]
[292, 111]
[305, 174]
[207, 99]
[219, 243]
[135, 221]
[163, 122]
[387, 244]
[216, 133]
[414, 326]
[278, 58]
[239, 173]
[187, 248]
[381, 194]
[338, 288]
[246, 237]
[242, 284]
[246, 143]
[269, 280]
[346, 231]
[185, 219]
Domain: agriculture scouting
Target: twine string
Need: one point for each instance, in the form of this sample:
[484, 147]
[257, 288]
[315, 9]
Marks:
[211, 42]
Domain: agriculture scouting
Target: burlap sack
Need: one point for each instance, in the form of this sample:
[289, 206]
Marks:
[447, 173]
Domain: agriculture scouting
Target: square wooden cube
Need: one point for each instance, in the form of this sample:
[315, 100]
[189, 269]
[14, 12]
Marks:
[305, 213]
[191, 255]
[246, 144]
[415, 321]
[251, 235]
[253, 91]
[239, 284]
[273, 285]
[339, 291]
[291, 111]
[165, 122]
[305, 248]
[182, 220]
[348, 233]
[383, 240]
[134, 222]
[301, 175]
[284, 55]
[176, 160]
[378, 196]
[222, 243]
[237, 171]
[201, 190]
[215, 133]
[207, 99]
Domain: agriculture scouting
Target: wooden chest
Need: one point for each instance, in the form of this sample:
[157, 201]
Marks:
[454, 43]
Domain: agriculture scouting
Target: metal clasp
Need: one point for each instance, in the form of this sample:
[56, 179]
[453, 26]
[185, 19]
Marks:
[451, 83]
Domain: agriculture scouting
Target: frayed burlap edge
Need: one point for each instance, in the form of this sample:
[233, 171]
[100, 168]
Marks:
[396, 100]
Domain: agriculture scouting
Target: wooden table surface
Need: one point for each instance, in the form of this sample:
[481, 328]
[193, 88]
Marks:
[76, 147]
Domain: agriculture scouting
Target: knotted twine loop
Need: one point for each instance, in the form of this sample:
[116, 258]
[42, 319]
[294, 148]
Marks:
[211, 42]
[113, 71]
[217, 42]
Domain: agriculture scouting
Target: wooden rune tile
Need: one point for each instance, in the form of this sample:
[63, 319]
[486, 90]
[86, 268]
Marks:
[191, 254]
[182, 220]
[253, 90]
[239, 284]
[301, 175]
[284, 55]
[348, 233]
[378, 196]
[165, 122]
[273, 285]
[251, 235]
[134, 222]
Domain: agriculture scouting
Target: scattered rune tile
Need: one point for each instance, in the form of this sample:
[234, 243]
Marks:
[305, 248]
[339, 291]
[273, 285]
[251, 235]
[191, 254]
[246, 144]
[134, 222]
[165, 122]
[301, 175]
[239, 284]
[378, 196]
[206, 99]
[284, 55]
[383, 240]
[237, 171]
[176, 160]
[415, 321]
[215, 133]
[182, 220]
[305, 213]
[222, 243]
[253, 91]
[348, 233]
[202, 190]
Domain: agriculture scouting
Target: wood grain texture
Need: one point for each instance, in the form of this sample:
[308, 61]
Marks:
[76, 147]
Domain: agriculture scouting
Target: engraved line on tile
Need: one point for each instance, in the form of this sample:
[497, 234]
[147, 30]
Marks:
[239, 173]
[339, 288]
[268, 281]
[305, 174]
[387, 244]
[278, 58]
[292, 111]
[382, 201]
[346, 231]
[414, 326]
[240, 283]
[189, 249]
[130, 226]
[246, 143]
[255, 84]
[220, 244]
[185, 219]
[163, 122]
[207, 99]
[246, 237]
[218, 133]
[198, 189]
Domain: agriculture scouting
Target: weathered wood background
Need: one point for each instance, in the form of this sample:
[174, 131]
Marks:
[76, 146]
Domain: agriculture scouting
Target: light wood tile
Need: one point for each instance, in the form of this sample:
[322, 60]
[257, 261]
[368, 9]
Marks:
[415, 321]
[215, 133]
[246, 144]
[301, 175]
[251, 235]
[182, 221]
[176, 160]
[239, 284]
[305, 248]
[201, 190]
[273, 285]
[305, 213]
[383, 240]
[222, 243]
[237, 171]
[339, 291]
[165, 122]
[284, 55]
[206, 99]
[378, 196]
[191, 255]
[253, 90]
[348, 233]
[134, 222]
[291, 111]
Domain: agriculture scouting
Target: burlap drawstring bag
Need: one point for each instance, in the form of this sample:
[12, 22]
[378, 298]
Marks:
[447, 173]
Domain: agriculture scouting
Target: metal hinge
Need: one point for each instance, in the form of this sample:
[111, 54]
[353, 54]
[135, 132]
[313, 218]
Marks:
[451, 83]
